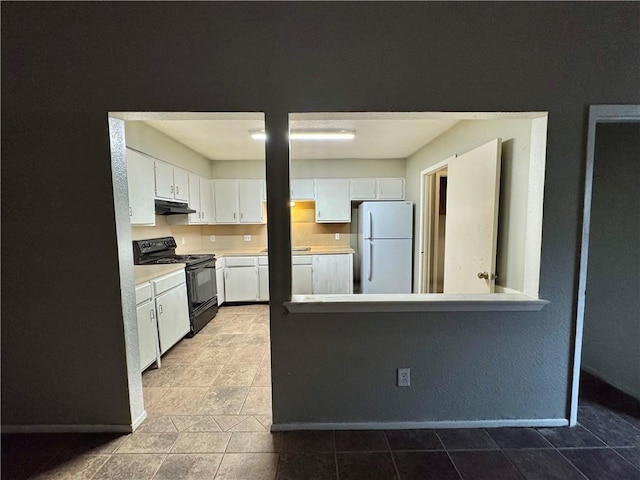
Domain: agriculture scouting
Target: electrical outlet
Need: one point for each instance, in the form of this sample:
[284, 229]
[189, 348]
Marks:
[212, 238]
[247, 238]
[182, 240]
[404, 377]
[337, 236]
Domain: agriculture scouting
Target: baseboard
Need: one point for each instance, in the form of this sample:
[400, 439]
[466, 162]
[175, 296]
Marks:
[533, 422]
[68, 428]
[138, 421]
[623, 388]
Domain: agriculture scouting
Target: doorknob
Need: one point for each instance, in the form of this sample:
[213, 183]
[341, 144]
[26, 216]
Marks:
[486, 275]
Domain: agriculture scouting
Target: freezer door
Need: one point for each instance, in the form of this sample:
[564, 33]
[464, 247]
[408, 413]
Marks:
[386, 219]
[386, 266]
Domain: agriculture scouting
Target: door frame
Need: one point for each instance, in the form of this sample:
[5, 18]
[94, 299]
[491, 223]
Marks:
[597, 114]
[425, 217]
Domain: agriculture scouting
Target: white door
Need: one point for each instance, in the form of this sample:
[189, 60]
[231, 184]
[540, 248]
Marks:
[471, 226]
[141, 189]
[172, 309]
[333, 203]
[225, 196]
[194, 198]
[205, 200]
[386, 266]
[164, 180]
[147, 334]
[181, 184]
[250, 201]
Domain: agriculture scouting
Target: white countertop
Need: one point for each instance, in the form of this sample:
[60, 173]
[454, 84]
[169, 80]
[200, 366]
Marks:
[239, 252]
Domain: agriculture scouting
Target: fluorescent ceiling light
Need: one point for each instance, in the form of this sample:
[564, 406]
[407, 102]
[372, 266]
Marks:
[311, 135]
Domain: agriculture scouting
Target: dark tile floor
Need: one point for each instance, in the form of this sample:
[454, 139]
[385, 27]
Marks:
[210, 412]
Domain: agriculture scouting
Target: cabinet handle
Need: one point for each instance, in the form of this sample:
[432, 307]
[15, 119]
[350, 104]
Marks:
[130, 212]
[171, 188]
[241, 215]
[177, 189]
[234, 215]
[161, 311]
[152, 314]
[319, 214]
[370, 259]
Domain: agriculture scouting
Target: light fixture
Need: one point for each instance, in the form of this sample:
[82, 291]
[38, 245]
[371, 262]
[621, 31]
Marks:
[310, 135]
[292, 204]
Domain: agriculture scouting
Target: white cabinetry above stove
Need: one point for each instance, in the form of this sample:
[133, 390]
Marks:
[172, 183]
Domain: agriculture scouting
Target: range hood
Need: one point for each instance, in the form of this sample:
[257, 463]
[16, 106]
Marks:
[164, 207]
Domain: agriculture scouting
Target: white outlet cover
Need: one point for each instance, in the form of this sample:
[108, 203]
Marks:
[212, 238]
[247, 238]
[404, 377]
[182, 240]
[337, 236]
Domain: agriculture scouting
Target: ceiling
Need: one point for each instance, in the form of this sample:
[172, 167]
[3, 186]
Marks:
[378, 135]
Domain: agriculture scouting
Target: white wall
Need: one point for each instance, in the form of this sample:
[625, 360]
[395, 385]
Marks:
[142, 137]
[516, 143]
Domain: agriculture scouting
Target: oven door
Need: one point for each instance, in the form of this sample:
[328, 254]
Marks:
[201, 285]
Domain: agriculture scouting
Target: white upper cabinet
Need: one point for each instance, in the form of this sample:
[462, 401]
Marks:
[181, 183]
[194, 198]
[363, 189]
[303, 189]
[390, 188]
[164, 180]
[205, 201]
[225, 198]
[238, 201]
[172, 183]
[333, 202]
[250, 201]
[141, 189]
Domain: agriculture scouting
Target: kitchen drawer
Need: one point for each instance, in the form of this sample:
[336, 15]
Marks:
[143, 293]
[301, 260]
[263, 260]
[168, 282]
[240, 261]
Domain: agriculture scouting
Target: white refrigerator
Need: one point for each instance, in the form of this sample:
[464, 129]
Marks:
[385, 246]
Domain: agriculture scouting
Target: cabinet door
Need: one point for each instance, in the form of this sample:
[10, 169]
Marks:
[333, 204]
[147, 334]
[181, 184]
[332, 274]
[301, 280]
[172, 310]
[220, 280]
[363, 188]
[164, 180]
[250, 200]
[241, 284]
[141, 189]
[390, 188]
[205, 200]
[194, 198]
[263, 283]
[303, 189]
[225, 195]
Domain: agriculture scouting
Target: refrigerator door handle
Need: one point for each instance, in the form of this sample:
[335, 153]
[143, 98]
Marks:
[370, 260]
[370, 224]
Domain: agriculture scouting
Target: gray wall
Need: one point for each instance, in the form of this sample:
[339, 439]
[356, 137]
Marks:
[611, 348]
[65, 65]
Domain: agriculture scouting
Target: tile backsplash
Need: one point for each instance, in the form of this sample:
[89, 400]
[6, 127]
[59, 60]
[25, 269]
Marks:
[304, 233]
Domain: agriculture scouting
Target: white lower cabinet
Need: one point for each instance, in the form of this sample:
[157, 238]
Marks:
[220, 265]
[147, 326]
[332, 274]
[241, 279]
[302, 275]
[172, 308]
[263, 278]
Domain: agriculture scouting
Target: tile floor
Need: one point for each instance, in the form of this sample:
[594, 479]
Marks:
[209, 412]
